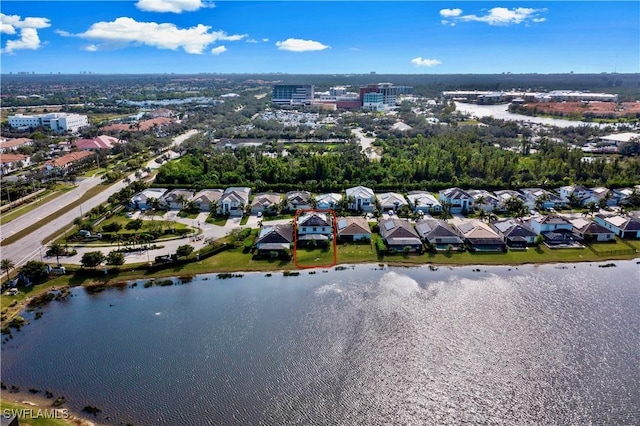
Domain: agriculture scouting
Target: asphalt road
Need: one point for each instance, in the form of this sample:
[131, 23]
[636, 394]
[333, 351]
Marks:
[30, 246]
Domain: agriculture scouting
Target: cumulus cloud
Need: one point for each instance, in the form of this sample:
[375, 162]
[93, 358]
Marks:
[27, 29]
[424, 62]
[127, 31]
[450, 13]
[300, 45]
[496, 16]
[218, 50]
[173, 6]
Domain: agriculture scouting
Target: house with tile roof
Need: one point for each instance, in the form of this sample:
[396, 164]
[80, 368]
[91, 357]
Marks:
[328, 201]
[360, 198]
[353, 228]
[622, 226]
[276, 238]
[398, 234]
[69, 161]
[439, 235]
[298, 200]
[176, 199]
[9, 145]
[484, 200]
[479, 237]
[587, 230]
[143, 199]
[556, 229]
[266, 202]
[207, 199]
[459, 200]
[391, 201]
[423, 201]
[314, 226]
[97, 143]
[233, 201]
[10, 162]
[515, 234]
[545, 199]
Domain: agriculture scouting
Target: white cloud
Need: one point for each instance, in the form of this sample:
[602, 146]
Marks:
[173, 6]
[125, 31]
[27, 27]
[424, 62]
[252, 40]
[218, 50]
[503, 16]
[91, 48]
[450, 13]
[265, 40]
[300, 45]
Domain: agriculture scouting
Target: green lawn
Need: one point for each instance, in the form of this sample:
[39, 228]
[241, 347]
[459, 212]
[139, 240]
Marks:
[217, 220]
[278, 217]
[244, 220]
[308, 257]
[187, 215]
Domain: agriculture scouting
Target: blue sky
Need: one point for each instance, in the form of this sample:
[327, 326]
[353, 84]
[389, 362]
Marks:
[319, 37]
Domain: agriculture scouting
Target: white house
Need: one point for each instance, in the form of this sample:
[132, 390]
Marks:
[234, 200]
[8, 145]
[360, 198]
[11, 162]
[314, 227]
[328, 201]
[506, 194]
[623, 226]
[423, 201]
[142, 200]
[484, 200]
[175, 199]
[582, 194]
[391, 201]
[458, 199]
[588, 230]
[298, 200]
[546, 199]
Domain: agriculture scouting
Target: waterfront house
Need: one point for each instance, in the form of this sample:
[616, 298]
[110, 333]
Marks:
[423, 201]
[514, 233]
[391, 201]
[233, 201]
[479, 237]
[439, 235]
[622, 226]
[298, 200]
[353, 228]
[484, 200]
[587, 230]
[328, 201]
[144, 200]
[314, 227]
[267, 202]
[207, 199]
[276, 238]
[555, 229]
[360, 198]
[176, 199]
[459, 201]
[399, 235]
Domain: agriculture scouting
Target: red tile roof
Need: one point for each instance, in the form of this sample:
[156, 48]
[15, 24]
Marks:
[68, 159]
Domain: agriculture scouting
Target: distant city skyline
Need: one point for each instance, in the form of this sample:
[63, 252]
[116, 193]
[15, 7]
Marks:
[319, 37]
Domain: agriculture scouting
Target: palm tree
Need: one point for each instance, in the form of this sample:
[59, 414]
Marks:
[480, 201]
[492, 217]
[56, 250]
[7, 265]
[482, 215]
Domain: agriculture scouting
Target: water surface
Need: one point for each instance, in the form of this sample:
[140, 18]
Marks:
[503, 345]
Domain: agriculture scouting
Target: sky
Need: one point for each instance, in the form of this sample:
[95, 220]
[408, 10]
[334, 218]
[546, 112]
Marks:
[319, 37]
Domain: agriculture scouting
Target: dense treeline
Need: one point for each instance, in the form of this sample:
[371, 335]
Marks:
[458, 157]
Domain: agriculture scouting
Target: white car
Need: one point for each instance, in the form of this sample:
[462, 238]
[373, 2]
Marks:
[390, 212]
[259, 214]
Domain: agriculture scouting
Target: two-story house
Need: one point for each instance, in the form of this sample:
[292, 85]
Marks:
[360, 198]
[458, 200]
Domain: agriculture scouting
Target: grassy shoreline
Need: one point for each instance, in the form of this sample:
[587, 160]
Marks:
[234, 260]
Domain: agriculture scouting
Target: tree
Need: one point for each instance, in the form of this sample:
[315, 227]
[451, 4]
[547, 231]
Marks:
[184, 250]
[91, 259]
[7, 265]
[112, 227]
[35, 271]
[56, 249]
[115, 258]
[135, 224]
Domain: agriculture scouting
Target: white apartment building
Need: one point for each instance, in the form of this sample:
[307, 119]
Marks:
[56, 121]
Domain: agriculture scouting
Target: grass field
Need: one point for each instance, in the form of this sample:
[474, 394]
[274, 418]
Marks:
[217, 220]
[26, 420]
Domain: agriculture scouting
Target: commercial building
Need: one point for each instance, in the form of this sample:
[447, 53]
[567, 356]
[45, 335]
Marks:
[292, 94]
[56, 121]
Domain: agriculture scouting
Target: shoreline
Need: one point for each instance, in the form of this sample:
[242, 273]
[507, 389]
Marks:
[98, 284]
[27, 400]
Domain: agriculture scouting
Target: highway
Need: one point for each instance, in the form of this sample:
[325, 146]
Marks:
[30, 246]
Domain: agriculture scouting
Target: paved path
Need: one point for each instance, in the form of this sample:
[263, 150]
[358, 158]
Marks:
[30, 246]
[365, 142]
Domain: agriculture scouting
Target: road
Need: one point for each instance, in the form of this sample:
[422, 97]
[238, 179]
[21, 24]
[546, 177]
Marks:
[365, 142]
[30, 246]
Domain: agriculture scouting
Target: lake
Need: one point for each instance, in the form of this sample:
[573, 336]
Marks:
[551, 344]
